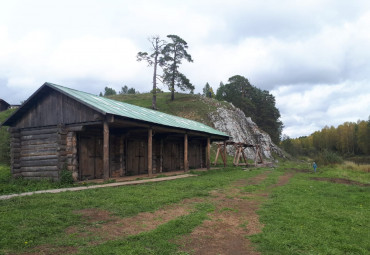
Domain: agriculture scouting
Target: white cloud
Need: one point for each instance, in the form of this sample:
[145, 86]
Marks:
[315, 107]
[312, 54]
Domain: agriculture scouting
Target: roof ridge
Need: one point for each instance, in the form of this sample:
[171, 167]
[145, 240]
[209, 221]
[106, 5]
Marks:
[110, 106]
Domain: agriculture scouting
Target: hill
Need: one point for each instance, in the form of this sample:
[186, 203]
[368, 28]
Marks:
[218, 114]
[4, 138]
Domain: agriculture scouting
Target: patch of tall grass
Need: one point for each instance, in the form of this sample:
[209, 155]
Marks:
[356, 167]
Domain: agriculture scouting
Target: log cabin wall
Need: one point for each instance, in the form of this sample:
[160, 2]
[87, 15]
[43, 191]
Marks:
[15, 151]
[41, 144]
[40, 153]
[53, 131]
[71, 154]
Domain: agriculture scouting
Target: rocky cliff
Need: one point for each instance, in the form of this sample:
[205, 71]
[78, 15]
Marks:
[232, 120]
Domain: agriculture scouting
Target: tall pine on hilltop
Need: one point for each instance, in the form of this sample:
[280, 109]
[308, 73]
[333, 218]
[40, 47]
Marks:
[172, 55]
[254, 102]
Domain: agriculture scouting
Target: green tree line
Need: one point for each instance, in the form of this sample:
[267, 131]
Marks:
[348, 139]
[254, 102]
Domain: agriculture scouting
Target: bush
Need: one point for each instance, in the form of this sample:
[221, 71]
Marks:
[66, 177]
[328, 158]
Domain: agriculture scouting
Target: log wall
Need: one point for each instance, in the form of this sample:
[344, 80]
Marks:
[41, 153]
[71, 154]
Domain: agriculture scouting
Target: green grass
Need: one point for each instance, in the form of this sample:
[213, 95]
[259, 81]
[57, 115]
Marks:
[271, 179]
[4, 138]
[41, 219]
[185, 105]
[312, 217]
[302, 217]
[10, 185]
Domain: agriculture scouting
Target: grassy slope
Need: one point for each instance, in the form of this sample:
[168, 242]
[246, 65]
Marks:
[4, 138]
[189, 106]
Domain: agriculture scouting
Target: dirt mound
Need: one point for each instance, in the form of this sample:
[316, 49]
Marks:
[341, 181]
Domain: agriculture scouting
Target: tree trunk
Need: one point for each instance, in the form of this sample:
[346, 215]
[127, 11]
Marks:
[154, 100]
[173, 78]
[172, 92]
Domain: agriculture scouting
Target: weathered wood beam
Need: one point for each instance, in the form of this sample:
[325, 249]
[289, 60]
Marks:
[186, 161]
[161, 156]
[106, 150]
[121, 155]
[225, 155]
[208, 153]
[76, 128]
[150, 152]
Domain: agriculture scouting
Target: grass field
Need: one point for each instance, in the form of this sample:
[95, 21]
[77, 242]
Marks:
[304, 216]
[188, 106]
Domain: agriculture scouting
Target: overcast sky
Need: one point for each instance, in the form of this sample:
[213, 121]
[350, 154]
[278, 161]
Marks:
[314, 56]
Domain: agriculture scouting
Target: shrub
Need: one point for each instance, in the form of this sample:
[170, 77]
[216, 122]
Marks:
[328, 158]
[66, 177]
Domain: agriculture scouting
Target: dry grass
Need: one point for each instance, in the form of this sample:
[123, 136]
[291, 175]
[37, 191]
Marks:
[356, 167]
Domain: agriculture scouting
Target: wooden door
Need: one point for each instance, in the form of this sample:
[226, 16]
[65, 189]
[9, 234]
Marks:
[172, 155]
[195, 155]
[90, 157]
[137, 157]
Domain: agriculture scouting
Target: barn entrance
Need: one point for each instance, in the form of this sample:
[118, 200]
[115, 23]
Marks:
[91, 157]
[137, 156]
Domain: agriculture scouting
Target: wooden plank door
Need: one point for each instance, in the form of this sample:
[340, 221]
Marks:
[137, 156]
[90, 157]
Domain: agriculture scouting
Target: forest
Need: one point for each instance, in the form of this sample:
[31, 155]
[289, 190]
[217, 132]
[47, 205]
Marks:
[350, 139]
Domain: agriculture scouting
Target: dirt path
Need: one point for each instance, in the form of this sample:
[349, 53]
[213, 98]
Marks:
[101, 225]
[225, 232]
[233, 220]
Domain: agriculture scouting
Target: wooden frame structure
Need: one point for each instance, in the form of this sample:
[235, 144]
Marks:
[239, 156]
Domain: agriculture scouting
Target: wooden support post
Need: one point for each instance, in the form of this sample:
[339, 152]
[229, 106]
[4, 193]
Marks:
[121, 155]
[217, 153]
[161, 157]
[244, 156]
[225, 156]
[186, 161]
[208, 154]
[106, 150]
[150, 152]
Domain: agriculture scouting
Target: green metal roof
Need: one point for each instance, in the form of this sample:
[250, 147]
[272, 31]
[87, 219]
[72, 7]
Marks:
[114, 107]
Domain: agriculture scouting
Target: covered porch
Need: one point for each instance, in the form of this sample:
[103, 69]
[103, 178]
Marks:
[118, 148]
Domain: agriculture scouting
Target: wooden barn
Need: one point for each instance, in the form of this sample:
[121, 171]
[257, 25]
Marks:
[94, 137]
[4, 105]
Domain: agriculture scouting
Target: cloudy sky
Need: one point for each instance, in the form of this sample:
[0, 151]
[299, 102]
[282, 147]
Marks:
[314, 56]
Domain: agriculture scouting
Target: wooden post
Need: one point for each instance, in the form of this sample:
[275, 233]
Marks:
[150, 152]
[161, 157]
[186, 161]
[225, 158]
[121, 151]
[106, 150]
[218, 153]
[208, 154]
